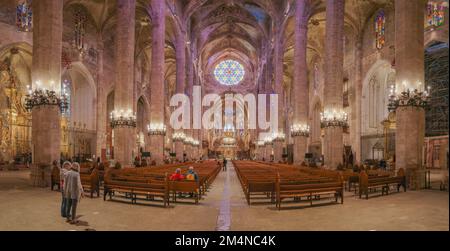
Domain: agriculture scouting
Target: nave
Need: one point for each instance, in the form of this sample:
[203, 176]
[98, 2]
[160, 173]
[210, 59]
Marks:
[223, 208]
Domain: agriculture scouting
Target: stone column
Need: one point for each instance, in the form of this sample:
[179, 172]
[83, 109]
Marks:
[180, 50]
[355, 102]
[279, 89]
[300, 75]
[409, 66]
[46, 75]
[333, 98]
[157, 77]
[101, 102]
[124, 136]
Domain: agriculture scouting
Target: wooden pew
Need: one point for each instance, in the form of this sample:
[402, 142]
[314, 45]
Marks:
[368, 183]
[308, 189]
[90, 181]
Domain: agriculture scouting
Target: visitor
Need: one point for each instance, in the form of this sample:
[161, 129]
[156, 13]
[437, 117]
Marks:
[177, 176]
[191, 176]
[224, 168]
[66, 166]
[73, 192]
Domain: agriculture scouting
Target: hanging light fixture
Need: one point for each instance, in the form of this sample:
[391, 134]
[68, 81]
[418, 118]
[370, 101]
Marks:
[42, 96]
[123, 118]
[408, 97]
[300, 130]
[156, 129]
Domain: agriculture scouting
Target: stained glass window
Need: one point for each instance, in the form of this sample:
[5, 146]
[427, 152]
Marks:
[380, 22]
[24, 16]
[229, 72]
[65, 89]
[435, 14]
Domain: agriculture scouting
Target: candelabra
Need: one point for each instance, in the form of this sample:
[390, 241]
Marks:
[122, 119]
[333, 119]
[300, 130]
[278, 137]
[178, 137]
[41, 96]
[408, 97]
[156, 129]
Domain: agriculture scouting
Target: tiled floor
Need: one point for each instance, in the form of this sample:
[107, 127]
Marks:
[223, 208]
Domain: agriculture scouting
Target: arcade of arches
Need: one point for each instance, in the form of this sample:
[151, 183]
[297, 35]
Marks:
[360, 84]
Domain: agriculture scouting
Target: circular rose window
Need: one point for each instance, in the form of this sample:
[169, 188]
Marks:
[229, 72]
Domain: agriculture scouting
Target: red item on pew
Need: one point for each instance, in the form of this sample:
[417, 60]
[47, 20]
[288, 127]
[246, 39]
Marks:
[177, 177]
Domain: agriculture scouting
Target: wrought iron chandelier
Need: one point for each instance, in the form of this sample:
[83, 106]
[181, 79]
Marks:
[178, 137]
[123, 118]
[408, 97]
[41, 96]
[300, 130]
[157, 129]
[333, 119]
[278, 137]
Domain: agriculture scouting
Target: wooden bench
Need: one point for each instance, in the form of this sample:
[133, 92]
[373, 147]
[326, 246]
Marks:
[185, 187]
[368, 183]
[91, 182]
[309, 190]
[132, 188]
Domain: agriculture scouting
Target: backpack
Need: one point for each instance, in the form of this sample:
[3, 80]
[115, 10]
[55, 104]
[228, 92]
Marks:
[190, 177]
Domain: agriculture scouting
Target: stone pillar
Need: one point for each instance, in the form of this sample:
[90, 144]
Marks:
[157, 77]
[333, 98]
[101, 102]
[180, 50]
[124, 137]
[46, 75]
[300, 75]
[409, 66]
[355, 102]
[279, 89]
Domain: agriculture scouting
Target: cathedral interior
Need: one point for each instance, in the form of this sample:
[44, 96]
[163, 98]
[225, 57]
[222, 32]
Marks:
[361, 91]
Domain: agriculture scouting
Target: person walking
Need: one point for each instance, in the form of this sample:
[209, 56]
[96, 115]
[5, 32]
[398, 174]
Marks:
[73, 191]
[224, 168]
[66, 166]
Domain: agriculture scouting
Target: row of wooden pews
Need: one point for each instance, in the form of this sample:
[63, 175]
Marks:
[148, 183]
[279, 182]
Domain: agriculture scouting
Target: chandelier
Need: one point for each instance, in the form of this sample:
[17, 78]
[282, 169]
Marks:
[156, 129]
[178, 137]
[408, 97]
[300, 130]
[190, 141]
[268, 141]
[333, 119]
[41, 96]
[123, 119]
[278, 137]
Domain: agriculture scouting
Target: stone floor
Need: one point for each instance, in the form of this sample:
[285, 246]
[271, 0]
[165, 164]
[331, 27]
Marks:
[23, 207]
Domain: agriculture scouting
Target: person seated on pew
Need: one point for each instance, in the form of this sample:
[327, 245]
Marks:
[191, 176]
[177, 176]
